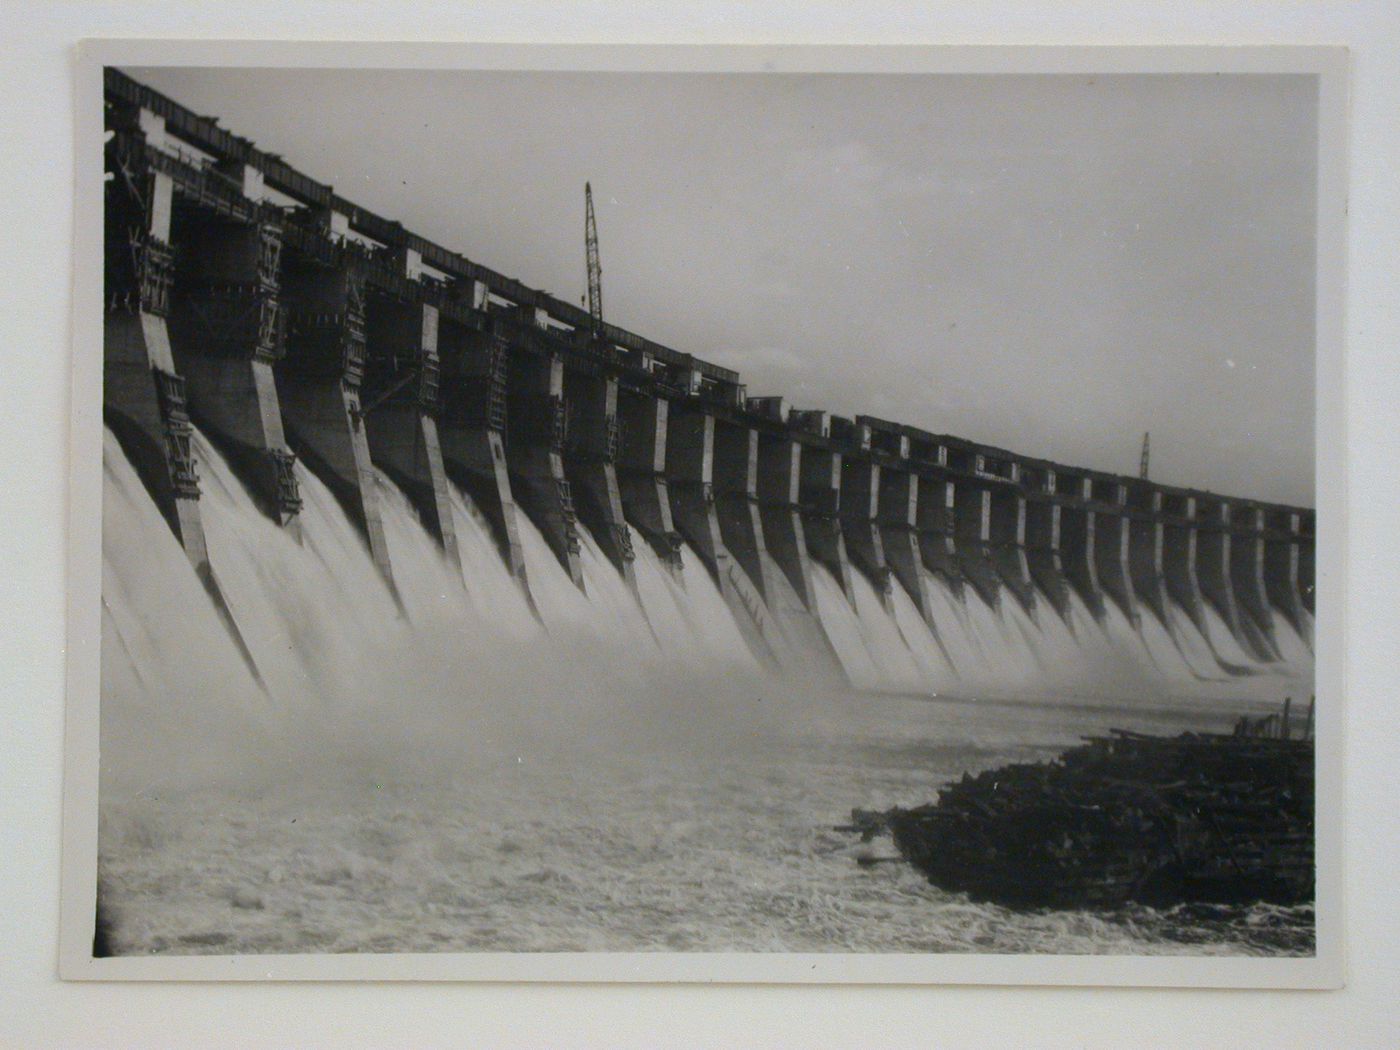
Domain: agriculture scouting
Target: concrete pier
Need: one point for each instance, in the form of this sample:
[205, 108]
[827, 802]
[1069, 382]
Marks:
[1078, 527]
[736, 501]
[819, 494]
[860, 506]
[590, 464]
[1179, 542]
[1213, 562]
[318, 385]
[990, 523]
[1008, 535]
[1112, 530]
[400, 402]
[898, 510]
[972, 525]
[1043, 524]
[694, 476]
[935, 499]
[537, 428]
[226, 331]
[471, 428]
[779, 501]
[1215, 554]
[1307, 557]
[795, 631]
[938, 529]
[144, 397]
[1246, 538]
[690, 464]
[641, 472]
[1146, 551]
[1281, 546]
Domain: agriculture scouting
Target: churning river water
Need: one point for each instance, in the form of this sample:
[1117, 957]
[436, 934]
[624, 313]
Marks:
[446, 772]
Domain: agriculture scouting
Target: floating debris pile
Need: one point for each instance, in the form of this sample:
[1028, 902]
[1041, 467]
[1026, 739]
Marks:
[1127, 817]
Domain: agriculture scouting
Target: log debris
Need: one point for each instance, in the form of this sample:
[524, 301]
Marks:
[1124, 817]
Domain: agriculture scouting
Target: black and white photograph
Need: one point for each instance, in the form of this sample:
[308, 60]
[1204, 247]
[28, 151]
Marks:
[699, 510]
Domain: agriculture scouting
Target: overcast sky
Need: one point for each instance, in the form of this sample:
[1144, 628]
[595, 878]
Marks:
[1053, 264]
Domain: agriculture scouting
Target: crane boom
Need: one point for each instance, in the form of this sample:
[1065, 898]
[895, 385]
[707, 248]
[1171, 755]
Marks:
[595, 268]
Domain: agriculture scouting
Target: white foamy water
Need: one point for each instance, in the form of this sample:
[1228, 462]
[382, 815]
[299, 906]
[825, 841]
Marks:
[923, 642]
[881, 629]
[449, 771]
[1294, 653]
[170, 671]
[490, 588]
[1227, 647]
[851, 641]
[687, 617]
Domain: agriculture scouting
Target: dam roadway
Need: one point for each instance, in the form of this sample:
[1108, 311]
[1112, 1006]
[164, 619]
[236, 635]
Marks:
[287, 322]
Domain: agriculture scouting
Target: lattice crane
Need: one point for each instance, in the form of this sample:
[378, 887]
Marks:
[595, 268]
[1146, 449]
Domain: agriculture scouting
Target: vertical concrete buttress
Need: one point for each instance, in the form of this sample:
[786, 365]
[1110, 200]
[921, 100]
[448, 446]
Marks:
[1246, 539]
[820, 496]
[1111, 540]
[1078, 527]
[938, 543]
[972, 525]
[1281, 570]
[692, 478]
[1179, 542]
[736, 501]
[402, 393]
[227, 334]
[1307, 559]
[144, 397]
[1213, 562]
[537, 428]
[1214, 553]
[1146, 553]
[1008, 538]
[1043, 556]
[860, 495]
[472, 430]
[898, 512]
[318, 386]
[779, 501]
[641, 472]
[590, 463]
[690, 461]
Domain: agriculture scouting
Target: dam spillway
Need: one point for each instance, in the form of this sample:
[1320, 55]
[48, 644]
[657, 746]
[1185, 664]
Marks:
[257, 319]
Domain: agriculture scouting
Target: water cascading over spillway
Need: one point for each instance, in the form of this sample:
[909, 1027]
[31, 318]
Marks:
[634, 539]
[464, 657]
[343, 661]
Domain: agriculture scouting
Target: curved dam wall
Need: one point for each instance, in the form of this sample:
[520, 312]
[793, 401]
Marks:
[297, 331]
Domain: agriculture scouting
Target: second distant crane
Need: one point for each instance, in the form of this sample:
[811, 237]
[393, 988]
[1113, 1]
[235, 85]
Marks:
[595, 267]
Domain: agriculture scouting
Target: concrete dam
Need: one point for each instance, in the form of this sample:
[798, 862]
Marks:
[277, 357]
